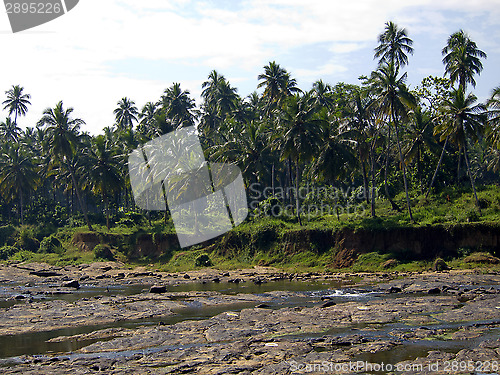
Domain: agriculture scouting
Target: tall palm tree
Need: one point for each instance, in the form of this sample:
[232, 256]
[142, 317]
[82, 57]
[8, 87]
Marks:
[64, 141]
[126, 113]
[464, 121]
[9, 131]
[493, 104]
[299, 135]
[323, 95]
[18, 176]
[394, 44]
[277, 85]
[393, 100]
[17, 102]
[102, 171]
[178, 106]
[462, 59]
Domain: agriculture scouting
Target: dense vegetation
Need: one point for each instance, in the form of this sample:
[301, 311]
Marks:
[384, 146]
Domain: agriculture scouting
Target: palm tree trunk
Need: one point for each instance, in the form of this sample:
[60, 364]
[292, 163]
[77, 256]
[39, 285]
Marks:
[297, 203]
[21, 206]
[437, 168]
[402, 166]
[365, 178]
[106, 203]
[80, 202]
[458, 166]
[372, 157]
[471, 178]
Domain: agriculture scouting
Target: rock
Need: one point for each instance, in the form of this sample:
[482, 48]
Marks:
[186, 276]
[158, 289]
[71, 284]
[19, 297]
[326, 298]
[262, 306]
[45, 273]
[483, 258]
[434, 291]
[395, 289]
[235, 281]
[440, 265]
[216, 280]
[328, 304]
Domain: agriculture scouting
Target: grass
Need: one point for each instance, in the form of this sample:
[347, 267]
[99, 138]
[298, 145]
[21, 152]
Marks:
[263, 241]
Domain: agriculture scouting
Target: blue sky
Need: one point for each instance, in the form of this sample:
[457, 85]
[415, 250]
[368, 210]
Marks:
[104, 50]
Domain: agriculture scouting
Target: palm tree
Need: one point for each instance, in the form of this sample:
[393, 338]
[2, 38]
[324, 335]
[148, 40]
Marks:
[394, 44]
[17, 102]
[464, 121]
[126, 113]
[18, 175]
[178, 106]
[277, 85]
[322, 92]
[9, 131]
[299, 135]
[419, 137]
[64, 141]
[493, 104]
[462, 59]
[102, 171]
[393, 100]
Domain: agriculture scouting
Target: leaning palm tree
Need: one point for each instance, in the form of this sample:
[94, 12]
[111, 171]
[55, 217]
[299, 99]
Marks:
[393, 100]
[102, 173]
[63, 142]
[17, 102]
[126, 113]
[18, 176]
[464, 121]
[394, 44]
[462, 59]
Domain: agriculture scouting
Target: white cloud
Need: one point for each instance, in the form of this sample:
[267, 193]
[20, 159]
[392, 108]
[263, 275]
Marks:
[71, 57]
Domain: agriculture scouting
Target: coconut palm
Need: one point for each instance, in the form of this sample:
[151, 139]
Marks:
[64, 141]
[462, 59]
[493, 104]
[322, 92]
[17, 102]
[464, 121]
[277, 85]
[394, 45]
[18, 176]
[393, 100]
[126, 113]
[102, 173]
[298, 135]
[178, 106]
[9, 131]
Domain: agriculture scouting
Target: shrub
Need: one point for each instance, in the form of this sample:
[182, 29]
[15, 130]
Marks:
[7, 251]
[26, 239]
[203, 261]
[103, 251]
[6, 234]
[50, 244]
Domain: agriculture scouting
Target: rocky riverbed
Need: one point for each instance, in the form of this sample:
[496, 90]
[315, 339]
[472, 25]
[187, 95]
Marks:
[106, 318]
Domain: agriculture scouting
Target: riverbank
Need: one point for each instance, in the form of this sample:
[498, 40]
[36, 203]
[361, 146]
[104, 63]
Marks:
[107, 317]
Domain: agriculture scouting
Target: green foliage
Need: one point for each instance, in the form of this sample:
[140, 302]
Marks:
[7, 234]
[103, 252]
[203, 261]
[27, 240]
[50, 244]
[7, 251]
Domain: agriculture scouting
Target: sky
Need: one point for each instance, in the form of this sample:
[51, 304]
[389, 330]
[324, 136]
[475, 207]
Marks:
[104, 50]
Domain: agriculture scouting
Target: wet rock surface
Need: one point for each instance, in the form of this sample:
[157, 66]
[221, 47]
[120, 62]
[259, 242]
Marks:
[391, 318]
